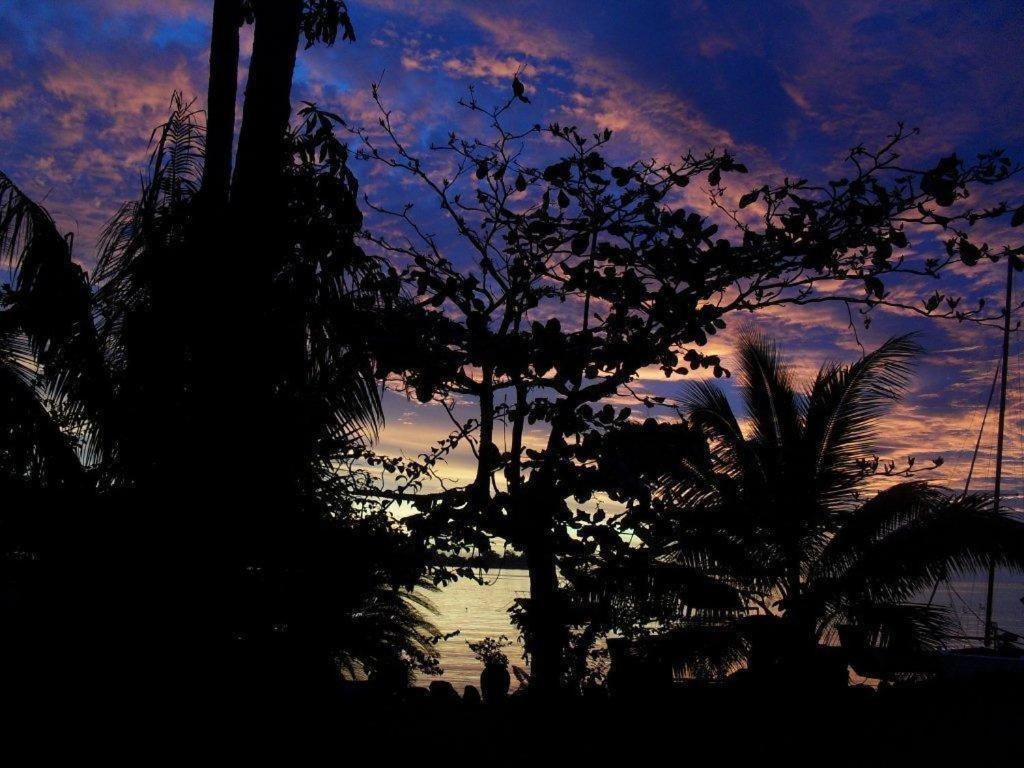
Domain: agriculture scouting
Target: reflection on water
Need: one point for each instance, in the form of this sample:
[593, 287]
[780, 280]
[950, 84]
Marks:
[482, 611]
[966, 598]
[477, 612]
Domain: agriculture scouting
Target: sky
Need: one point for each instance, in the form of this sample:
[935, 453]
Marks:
[788, 86]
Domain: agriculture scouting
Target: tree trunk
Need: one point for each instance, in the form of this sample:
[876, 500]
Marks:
[514, 468]
[546, 635]
[214, 238]
[266, 112]
[485, 459]
[257, 216]
[220, 103]
[197, 492]
[249, 498]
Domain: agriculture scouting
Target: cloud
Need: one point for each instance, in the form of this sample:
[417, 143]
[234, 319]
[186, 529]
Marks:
[798, 97]
[78, 105]
[862, 66]
[482, 65]
[713, 45]
[785, 85]
[166, 8]
[533, 40]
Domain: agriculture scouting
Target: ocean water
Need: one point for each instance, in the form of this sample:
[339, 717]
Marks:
[965, 597]
[477, 612]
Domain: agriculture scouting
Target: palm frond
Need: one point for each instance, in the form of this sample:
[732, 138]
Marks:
[16, 349]
[148, 231]
[902, 627]
[33, 448]
[388, 626]
[951, 535]
[768, 392]
[876, 518]
[49, 302]
[844, 407]
[30, 244]
[709, 411]
[143, 331]
[706, 650]
[661, 587]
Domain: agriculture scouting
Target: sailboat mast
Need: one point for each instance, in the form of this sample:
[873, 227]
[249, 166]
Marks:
[989, 626]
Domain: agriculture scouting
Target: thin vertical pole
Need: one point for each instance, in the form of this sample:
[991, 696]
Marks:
[989, 626]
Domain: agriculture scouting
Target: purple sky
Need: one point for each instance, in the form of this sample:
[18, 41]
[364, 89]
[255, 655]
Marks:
[788, 86]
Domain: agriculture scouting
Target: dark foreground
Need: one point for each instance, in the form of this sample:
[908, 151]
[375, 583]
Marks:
[855, 727]
[899, 728]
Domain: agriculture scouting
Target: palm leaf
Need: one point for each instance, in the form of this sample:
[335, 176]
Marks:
[147, 233]
[902, 627]
[768, 392]
[911, 549]
[878, 517]
[49, 302]
[706, 650]
[33, 448]
[844, 408]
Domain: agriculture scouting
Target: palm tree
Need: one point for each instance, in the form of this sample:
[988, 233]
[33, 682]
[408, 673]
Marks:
[207, 389]
[781, 508]
[99, 382]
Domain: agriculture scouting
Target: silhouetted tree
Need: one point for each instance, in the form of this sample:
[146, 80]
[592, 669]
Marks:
[780, 514]
[243, 346]
[222, 537]
[582, 273]
[40, 468]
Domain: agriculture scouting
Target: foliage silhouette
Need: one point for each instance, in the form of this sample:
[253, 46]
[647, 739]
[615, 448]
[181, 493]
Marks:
[786, 515]
[186, 435]
[201, 454]
[584, 273]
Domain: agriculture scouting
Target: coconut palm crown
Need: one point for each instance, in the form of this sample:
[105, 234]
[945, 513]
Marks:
[783, 508]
